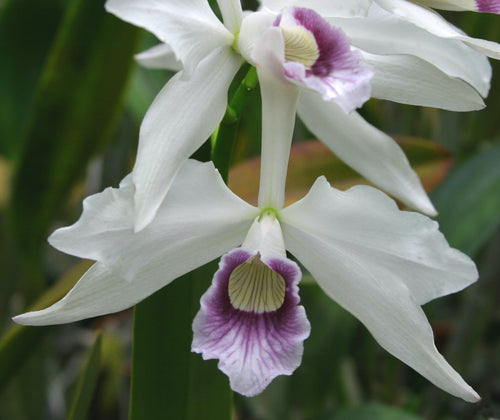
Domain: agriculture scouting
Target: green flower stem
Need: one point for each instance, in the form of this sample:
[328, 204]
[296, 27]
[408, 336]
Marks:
[168, 381]
[224, 138]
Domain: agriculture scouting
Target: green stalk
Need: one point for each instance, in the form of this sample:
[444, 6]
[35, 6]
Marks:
[168, 381]
[224, 138]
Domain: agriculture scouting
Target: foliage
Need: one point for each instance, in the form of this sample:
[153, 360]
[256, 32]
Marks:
[70, 110]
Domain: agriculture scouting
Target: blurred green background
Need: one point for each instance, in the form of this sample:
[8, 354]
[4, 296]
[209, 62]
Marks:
[71, 102]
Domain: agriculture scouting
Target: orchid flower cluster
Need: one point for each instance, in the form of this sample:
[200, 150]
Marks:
[320, 60]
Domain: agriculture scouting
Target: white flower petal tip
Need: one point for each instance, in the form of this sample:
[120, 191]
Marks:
[190, 27]
[319, 57]
[424, 205]
[251, 321]
[159, 57]
[368, 150]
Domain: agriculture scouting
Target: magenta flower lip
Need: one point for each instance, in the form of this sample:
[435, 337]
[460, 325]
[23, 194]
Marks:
[252, 348]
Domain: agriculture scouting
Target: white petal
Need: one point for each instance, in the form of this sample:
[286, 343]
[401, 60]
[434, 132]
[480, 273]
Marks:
[484, 6]
[369, 151]
[451, 4]
[326, 8]
[181, 118]
[410, 80]
[231, 14]
[98, 292]
[434, 23]
[159, 57]
[199, 220]
[383, 33]
[189, 26]
[380, 263]
[279, 101]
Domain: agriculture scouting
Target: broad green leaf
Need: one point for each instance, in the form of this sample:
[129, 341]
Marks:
[27, 29]
[484, 125]
[87, 382]
[319, 382]
[168, 381]
[374, 411]
[468, 202]
[19, 341]
[310, 159]
[75, 112]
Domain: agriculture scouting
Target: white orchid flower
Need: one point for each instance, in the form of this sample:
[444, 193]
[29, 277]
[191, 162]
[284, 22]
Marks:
[413, 67]
[376, 261]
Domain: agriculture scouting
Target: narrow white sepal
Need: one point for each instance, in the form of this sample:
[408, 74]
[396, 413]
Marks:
[326, 8]
[411, 80]
[368, 150]
[434, 23]
[384, 33]
[231, 14]
[181, 118]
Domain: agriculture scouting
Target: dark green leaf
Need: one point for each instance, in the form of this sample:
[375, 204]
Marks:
[468, 202]
[75, 111]
[87, 382]
[27, 29]
[168, 381]
[19, 342]
[374, 411]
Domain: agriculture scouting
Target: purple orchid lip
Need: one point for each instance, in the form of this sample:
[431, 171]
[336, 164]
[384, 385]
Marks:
[253, 346]
[319, 56]
[488, 6]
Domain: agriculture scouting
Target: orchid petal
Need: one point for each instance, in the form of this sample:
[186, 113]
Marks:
[384, 34]
[432, 22]
[98, 292]
[253, 347]
[189, 26]
[380, 264]
[181, 118]
[369, 151]
[199, 220]
[231, 14]
[484, 6]
[340, 8]
[410, 80]
[160, 56]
